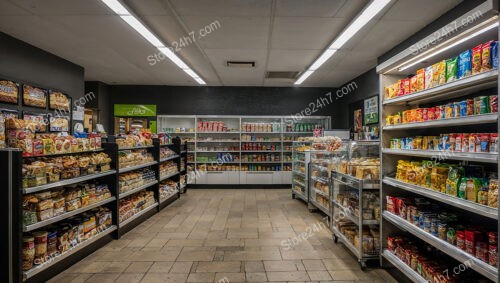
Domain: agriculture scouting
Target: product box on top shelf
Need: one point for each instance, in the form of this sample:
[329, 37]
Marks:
[34, 97]
[141, 139]
[9, 92]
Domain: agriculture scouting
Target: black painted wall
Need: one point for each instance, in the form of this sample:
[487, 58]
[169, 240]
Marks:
[22, 62]
[176, 100]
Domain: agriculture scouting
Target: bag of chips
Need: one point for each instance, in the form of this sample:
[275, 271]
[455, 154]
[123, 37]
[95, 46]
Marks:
[494, 54]
[428, 77]
[451, 69]
[464, 64]
[420, 79]
[486, 56]
[476, 59]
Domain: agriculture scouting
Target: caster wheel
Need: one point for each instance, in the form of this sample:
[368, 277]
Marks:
[362, 264]
[335, 239]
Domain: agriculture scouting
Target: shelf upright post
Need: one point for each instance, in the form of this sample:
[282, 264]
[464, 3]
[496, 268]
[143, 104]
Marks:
[176, 147]
[156, 156]
[112, 150]
[11, 175]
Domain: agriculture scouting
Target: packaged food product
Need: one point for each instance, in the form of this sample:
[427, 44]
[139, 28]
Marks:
[451, 236]
[436, 74]
[482, 195]
[431, 113]
[28, 252]
[493, 255]
[465, 142]
[492, 238]
[59, 101]
[52, 243]
[476, 59]
[481, 105]
[464, 64]
[35, 97]
[40, 238]
[493, 104]
[493, 193]
[486, 56]
[48, 146]
[494, 54]
[420, 79]
[461, 240]
[484, 142]
[401, 92]
[451, 69]
[448, 110]
[9, 91]
[462, 108]
[406, 86]
[482, 251]
[441, 76]
[493, 143]
[452, 182]
[428, 77]
[472, 143]
[458, 142]
[413, 84]
[470, 107]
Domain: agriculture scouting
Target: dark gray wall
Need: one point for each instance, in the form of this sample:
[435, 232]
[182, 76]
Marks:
[101, 103]
[172, 100]
[25, 63]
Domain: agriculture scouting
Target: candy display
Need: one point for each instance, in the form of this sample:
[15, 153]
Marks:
[302, 127]
[218, 148]
[143, 138]
[42, 246]
[467, 107]
[254, 167]
[465, 182]
[214, 126]
[455, 142]
[128, 158]
[131, 205]
[212, 139]
[131, 180]
[261, 127]
[445, 225]
[168, 188]
[481, 58]
[45, 205]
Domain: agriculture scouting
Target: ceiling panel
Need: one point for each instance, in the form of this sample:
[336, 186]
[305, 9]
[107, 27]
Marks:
[10, 9]
[238, 76]
[305, 32]
[220, 8]
[149, 7]
[234, 33]
[66, 7]
[290, 60]
[422, 10]
[308, 8]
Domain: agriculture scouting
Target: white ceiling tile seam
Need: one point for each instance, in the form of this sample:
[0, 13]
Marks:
[133, 21]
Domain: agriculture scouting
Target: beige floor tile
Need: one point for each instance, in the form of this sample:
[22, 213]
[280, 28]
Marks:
[181, 267]
[164, 277]
[70, 277]
[278, 265]
[344, 275]
[196, 256]
[130, 277]
[319, 275]
[256, 277]
[287, 276]
[103, 277]
[229, 277]
[252, 255]
[139, 267]
[201, 277]
[254, 266]
[313, 265]
[223, 266]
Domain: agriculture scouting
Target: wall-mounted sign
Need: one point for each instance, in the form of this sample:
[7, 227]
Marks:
[371, 110]
[135, 110]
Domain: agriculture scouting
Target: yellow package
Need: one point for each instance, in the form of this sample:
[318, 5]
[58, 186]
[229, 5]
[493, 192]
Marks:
[420, 79]
[441, 72]
[388, 120]
[435, 74]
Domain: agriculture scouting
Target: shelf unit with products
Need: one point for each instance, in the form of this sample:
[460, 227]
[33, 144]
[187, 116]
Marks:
[439, 150]
[170, 171]
[354, 196]
[240, 149]
[300, 166]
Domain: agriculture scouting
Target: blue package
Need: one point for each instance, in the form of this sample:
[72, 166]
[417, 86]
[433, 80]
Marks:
[494, 54]
[465, 64]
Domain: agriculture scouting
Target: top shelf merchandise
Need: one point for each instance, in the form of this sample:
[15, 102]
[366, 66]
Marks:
[439, 146]
[142, 139]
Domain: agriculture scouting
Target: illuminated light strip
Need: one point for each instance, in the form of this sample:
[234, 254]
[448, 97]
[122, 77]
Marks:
[366, 16]
[448, 46]
[132, 21]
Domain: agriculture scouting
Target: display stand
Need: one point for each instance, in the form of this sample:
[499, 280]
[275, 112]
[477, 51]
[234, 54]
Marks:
[300, 168]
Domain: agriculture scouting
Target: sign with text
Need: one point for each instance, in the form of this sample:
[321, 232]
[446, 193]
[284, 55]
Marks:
[135, 110]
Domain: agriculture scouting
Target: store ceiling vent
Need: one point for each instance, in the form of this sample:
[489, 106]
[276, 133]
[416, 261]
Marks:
[240, 64]
[281, 75]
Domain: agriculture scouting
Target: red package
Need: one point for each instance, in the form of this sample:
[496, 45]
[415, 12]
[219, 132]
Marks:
[98, 141]
[431, 113]
[461, 240]
[401, 90]
[200, 125]
[493, 255]
[476, 59]
[20, 134]
[401, 207]
[37, 147]
[494, 103]
[413, 84]
[419, 117]
[439, 112]
[470, 107]
[425, 114]
[406, 86]
[391, 205]
[471, 237]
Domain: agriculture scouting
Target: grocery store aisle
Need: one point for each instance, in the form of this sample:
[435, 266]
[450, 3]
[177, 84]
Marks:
[227, 235]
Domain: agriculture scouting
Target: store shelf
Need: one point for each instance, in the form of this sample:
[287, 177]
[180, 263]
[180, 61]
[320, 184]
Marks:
[67, 182]
[218, 132]
[321, 193]
[261, 162]
[298, 132]
[299, 183]
[135, 147]
[169, 176]
[348, 214]
[138, 189]
[300, 195]
[299, 161]
[319, 179]
[169, 158]
[478, 265]
[166, 144]
[216, 151]
[220, 141]
[451, 90]
[405, 269]
[266, 151]
[65, 215]
[174, 194]
[483, 210]
[77, 247]
[452, 155]
[242, 141]
[299, 173]
[320, 207]
[68, 153]
[346, 242]
[355, 183]
[461, 121]
[132, 168]
[138, 214]
[275, 133]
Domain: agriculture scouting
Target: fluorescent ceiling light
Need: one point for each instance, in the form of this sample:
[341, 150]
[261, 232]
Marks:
[303, 77]
[117, 7]
[130, 19]
[366, 16]
[142, 30]
[173, 57]
[450, 45]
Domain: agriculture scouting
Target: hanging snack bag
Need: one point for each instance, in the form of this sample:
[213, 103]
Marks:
[451, 69]
[428, 77]
[476, 59]
[420, 79]
[464, 64]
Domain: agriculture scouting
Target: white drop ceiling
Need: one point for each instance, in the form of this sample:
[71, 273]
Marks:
[279, 35]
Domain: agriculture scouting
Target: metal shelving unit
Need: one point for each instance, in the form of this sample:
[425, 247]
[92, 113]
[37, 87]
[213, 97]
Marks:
[353, 199]
[300, 174]
[484, 83]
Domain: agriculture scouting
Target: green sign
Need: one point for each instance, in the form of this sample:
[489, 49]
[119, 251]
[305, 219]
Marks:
[152, 126]
[371, 110]
[135, 110]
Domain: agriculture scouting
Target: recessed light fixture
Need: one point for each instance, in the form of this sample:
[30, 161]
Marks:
[366, 16]
[132, 20]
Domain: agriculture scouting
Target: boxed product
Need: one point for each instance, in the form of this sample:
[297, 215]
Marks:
[9, 91]
[59, 101]
[35, 97]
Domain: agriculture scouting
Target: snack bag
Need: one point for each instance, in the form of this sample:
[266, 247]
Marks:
[494, 54]
[476, 59]
[420, 79]
[435, 74]
[486, 56]
[406, 86]
[428, 77]
[464, 64]
[451, 69]
[413, 84]
[453, 181]
[441, 76]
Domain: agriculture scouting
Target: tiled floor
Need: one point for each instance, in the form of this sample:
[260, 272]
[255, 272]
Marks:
[225, 236]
